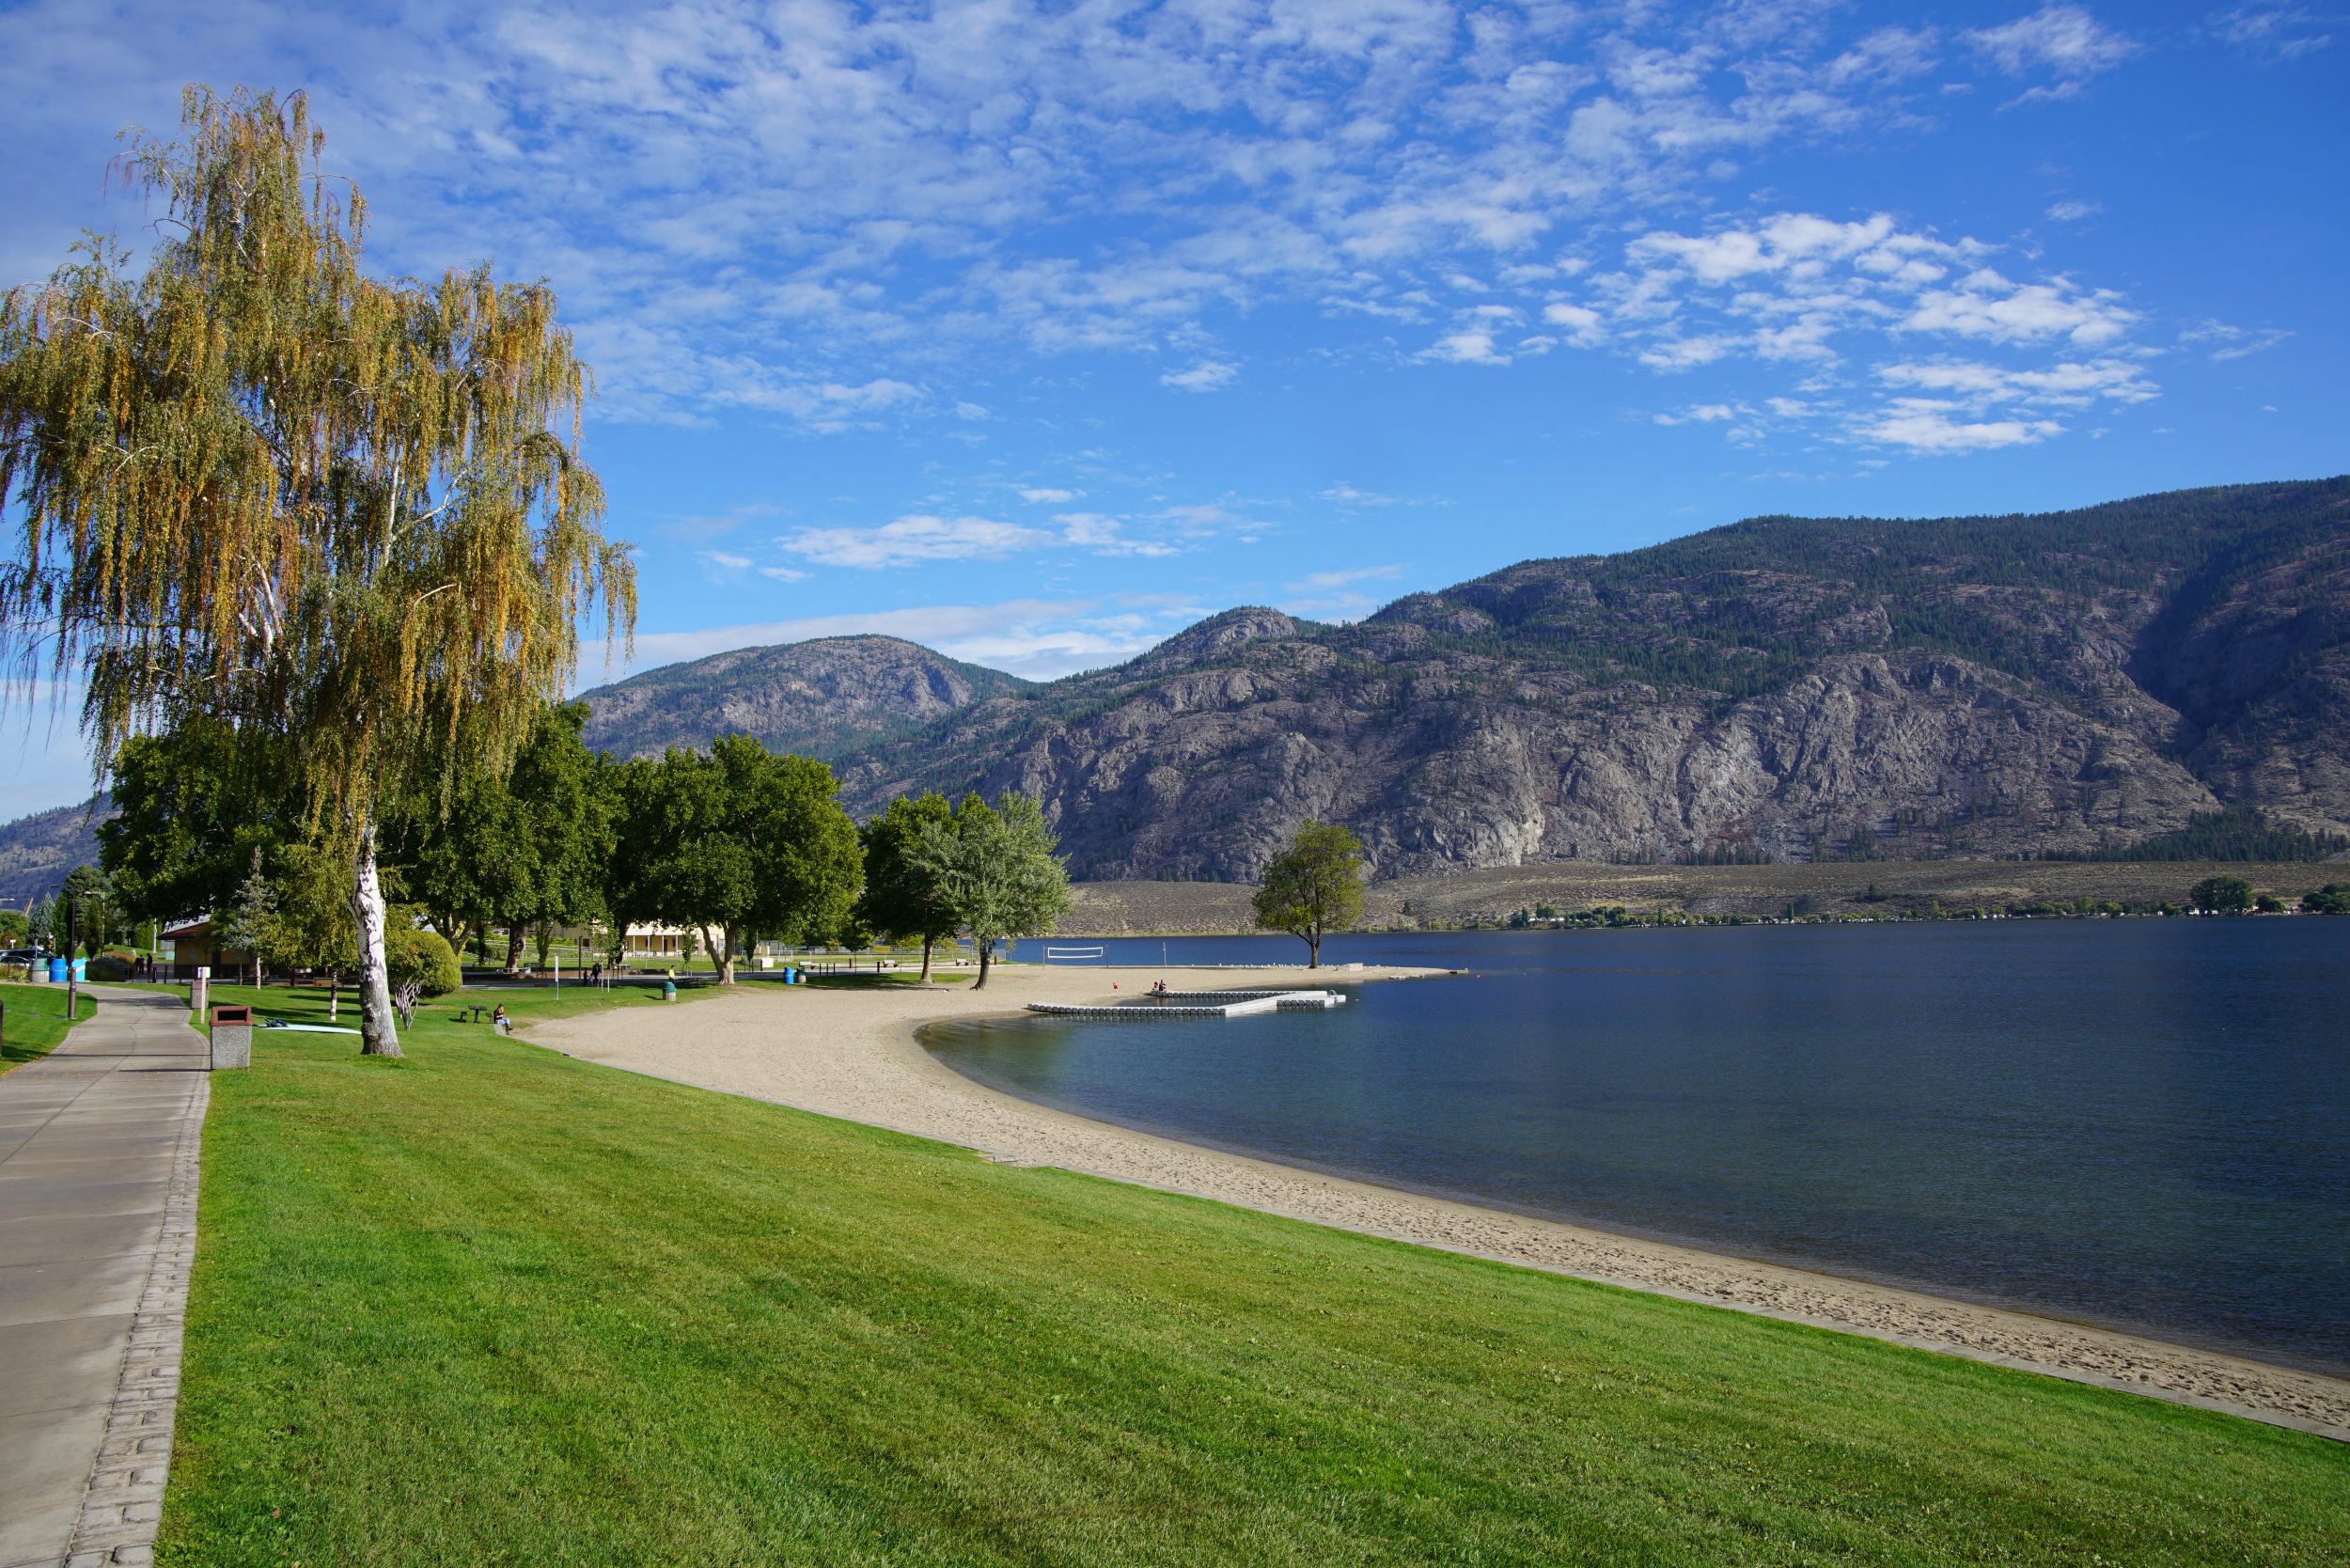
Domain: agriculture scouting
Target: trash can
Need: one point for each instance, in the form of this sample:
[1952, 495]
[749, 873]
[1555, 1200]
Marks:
[669, 991]
[232, 1036]
[58, 970]
[81, 970]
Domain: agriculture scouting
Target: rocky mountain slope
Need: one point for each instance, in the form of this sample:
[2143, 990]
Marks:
[1782, 689]
[35, 851]
[822, 699]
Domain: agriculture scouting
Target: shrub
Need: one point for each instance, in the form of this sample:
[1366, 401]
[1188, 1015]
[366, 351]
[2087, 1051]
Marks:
[424, 956]
[107, 966]
[2332, 899]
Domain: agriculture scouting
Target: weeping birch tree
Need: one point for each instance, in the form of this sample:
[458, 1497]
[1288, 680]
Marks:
[257, 486]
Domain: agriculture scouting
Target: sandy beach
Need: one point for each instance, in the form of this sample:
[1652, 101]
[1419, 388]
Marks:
[853, 1054]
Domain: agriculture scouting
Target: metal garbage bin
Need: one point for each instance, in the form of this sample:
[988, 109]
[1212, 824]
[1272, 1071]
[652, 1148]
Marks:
[232, 1036]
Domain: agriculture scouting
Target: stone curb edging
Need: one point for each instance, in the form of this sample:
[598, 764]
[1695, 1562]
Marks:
[123, 1503]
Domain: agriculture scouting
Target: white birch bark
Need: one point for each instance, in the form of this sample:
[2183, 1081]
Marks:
[379, 1029]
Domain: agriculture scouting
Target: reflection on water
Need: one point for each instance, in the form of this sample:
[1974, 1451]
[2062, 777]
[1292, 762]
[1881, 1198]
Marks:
[2144, 1124]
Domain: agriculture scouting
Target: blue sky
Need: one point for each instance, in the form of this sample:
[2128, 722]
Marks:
[1035, 332]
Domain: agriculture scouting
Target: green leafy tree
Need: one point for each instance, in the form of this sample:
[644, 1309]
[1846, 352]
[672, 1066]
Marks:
[87, 914]
[518, 848]
[257, 486]
[1313, 887]
[40, 923]
[248, 920]
[191, 806]
[310, 925]
[994, 871]
[739, 844]
[15, 927]
[2225, 895]
[900, 902]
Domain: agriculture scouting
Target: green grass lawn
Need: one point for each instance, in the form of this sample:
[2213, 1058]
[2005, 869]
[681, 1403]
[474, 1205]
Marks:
[487, 1303]
[34, 1021]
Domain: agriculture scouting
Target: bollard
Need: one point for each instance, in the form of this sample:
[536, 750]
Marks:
[232, 1036]
[200, 989]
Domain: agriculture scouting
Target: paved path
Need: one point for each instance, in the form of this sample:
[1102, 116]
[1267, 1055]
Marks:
[98, 1146]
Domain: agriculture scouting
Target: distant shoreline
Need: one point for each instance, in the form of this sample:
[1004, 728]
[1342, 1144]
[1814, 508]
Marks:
[1466, 900]
[855, 1055]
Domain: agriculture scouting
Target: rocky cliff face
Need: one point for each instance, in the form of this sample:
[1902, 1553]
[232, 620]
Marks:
[1784, 689]
[818, 699]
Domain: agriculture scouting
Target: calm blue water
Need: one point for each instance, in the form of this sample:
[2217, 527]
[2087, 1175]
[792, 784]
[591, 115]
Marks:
[2142, 1123]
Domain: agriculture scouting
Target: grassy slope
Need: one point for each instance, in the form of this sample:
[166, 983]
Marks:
[491, 1304]
[35, 1021]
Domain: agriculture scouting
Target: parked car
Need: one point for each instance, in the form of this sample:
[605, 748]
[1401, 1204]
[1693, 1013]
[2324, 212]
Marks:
[24, 955]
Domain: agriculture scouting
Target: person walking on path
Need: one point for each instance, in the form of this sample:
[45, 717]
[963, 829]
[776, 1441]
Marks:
[97, 1164]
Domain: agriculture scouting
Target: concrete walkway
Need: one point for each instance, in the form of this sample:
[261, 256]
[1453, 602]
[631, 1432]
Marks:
[98, 1152]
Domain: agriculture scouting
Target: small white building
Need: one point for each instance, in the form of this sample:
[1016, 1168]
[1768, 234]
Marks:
[653, 940]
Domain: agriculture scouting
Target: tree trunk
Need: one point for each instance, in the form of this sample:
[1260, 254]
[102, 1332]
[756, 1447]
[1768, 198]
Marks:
[926, 960]
[987, 952]
[514, 947]
[333, 993]
[726, 958]
[378, 1032]
[1313, 951]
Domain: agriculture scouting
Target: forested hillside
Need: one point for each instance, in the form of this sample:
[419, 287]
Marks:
[820, 698]
[1782, 689]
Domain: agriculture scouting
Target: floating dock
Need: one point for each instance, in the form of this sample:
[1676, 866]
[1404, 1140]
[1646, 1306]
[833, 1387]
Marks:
[1196, 1004]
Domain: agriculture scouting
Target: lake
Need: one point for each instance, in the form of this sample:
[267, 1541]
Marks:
[2139, 1123]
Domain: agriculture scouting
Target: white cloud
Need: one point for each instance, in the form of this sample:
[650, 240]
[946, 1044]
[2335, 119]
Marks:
[893, 189]
[1585, 326]
[1473, 346]
[2283, 32]
[912, 541]
[2067, 384]
[1048, 495]
[1934, 427]
[1986, 305]
[725, 564]
[1206, 376]
[1703, 413]
[1346, 494]
[2222, 341]
[1105, 536]
[1336, 595]
[2072, 212]
[2065, 39]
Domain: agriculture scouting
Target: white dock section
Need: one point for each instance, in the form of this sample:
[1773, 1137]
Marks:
[1195, 1004]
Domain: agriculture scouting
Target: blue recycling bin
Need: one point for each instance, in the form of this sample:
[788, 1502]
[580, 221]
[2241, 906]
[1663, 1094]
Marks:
[58, 970]
[81, 970]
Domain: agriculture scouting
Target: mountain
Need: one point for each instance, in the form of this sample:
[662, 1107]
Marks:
[35, 851]
[822, 699]
[1782, 689]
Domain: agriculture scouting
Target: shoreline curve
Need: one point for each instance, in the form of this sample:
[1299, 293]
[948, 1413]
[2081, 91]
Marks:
[855, 1055]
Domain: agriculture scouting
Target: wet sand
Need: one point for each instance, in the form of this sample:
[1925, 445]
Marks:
[853, 1053]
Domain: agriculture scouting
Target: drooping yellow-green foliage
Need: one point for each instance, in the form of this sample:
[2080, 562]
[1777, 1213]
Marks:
[258, 485]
